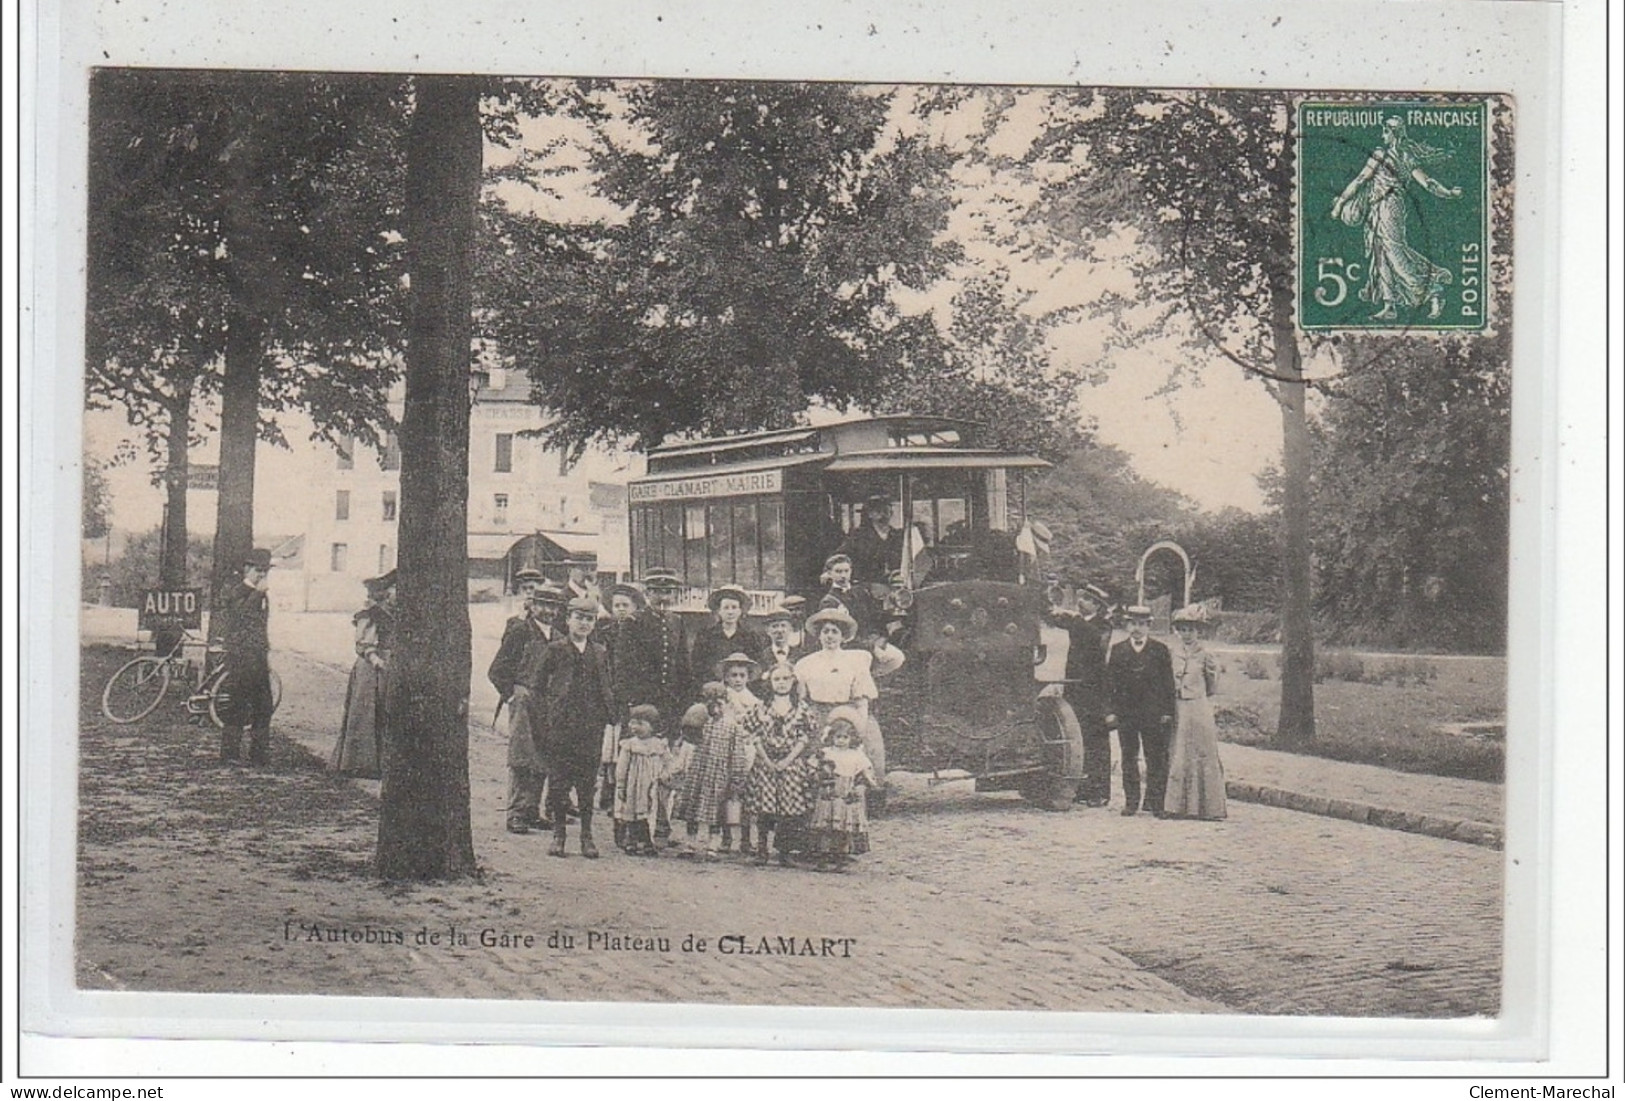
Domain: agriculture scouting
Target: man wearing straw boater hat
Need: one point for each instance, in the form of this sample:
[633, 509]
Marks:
[533, 629]
[242, 626]
[1140, 673]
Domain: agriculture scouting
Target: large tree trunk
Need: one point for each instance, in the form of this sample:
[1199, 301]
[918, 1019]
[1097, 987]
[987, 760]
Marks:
[177, 473]
[424, 831]
[239, 430]
[1297, 724]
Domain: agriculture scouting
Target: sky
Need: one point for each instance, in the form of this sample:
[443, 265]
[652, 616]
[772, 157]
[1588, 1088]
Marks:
[1209, 438]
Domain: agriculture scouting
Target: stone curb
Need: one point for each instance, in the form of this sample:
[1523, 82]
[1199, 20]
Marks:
[1448, 829]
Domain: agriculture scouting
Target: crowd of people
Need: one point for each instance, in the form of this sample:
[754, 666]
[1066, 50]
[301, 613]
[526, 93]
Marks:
[717, 740]
[734, 738]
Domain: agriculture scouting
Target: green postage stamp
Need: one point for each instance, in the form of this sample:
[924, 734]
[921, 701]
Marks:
[1392, 217]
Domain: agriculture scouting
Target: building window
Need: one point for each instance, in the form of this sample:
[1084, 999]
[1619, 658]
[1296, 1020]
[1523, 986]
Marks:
[345, 446]
[341, 505]
[389, 453]
[499, 508]
[390, 504]
[504, 464]
[340, 560]
[383, 558]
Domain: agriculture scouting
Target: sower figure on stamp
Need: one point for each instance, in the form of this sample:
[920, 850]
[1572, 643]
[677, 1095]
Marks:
[242, 626]
[1088, 635]
[570, 678]
[534, 629]
[1140, 675]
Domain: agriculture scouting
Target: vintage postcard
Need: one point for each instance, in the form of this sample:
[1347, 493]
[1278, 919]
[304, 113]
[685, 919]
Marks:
[650, 542]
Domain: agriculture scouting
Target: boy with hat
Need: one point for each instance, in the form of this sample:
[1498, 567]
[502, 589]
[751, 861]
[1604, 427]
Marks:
[569, 680]
[533, 629]
[242, 626]
[1140, 676]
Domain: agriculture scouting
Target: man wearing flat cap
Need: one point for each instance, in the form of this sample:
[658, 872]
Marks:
[875, 547]
[1140, 676]
[533, 629]
[1088, 635]
[242, 627]
[569, 680]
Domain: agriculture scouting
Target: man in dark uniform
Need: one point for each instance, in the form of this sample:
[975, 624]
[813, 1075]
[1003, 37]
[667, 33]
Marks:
[534, 629]
[1140, 676]
[569, 679]
[242, 626]
[875, 547]
[670, 642]
[1088, 635]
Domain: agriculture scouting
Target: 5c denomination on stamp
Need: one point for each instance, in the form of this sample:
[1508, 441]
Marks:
[1392, 214]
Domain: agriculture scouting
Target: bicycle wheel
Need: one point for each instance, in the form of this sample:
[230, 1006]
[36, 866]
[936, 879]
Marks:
[137, 688]
[219, 698]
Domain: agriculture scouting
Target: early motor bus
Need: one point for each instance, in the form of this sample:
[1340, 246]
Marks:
[764, 510]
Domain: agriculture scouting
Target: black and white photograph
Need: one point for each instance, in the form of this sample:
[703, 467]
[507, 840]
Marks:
[689, 542]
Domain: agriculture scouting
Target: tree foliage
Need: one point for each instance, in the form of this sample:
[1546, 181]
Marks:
[1412, 500]
[272, 195]
[764, 234]
[1201, 182]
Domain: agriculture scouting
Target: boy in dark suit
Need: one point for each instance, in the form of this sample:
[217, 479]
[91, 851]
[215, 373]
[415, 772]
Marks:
[570, 678]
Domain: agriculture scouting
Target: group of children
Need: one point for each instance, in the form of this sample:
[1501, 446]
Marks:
[742, 765]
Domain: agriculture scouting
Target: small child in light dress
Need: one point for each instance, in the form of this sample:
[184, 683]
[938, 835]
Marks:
[640, 759]
[717, 774]
[839, 825]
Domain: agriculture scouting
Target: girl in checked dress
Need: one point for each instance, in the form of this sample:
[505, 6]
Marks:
[717, 774]
[779, 792]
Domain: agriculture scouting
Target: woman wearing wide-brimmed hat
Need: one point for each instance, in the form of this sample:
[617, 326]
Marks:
[358, 751]
[835, 676]
[728, 633]
[1195, 774]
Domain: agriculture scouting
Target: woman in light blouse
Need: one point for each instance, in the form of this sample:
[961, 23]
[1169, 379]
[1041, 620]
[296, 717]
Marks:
[833, 676]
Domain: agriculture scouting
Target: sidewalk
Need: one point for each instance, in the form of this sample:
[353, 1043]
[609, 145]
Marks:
[1438, 806]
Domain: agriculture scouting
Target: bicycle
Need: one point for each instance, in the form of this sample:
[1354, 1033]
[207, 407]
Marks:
[138, 686]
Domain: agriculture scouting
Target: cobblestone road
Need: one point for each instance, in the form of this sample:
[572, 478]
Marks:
[194, 876]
